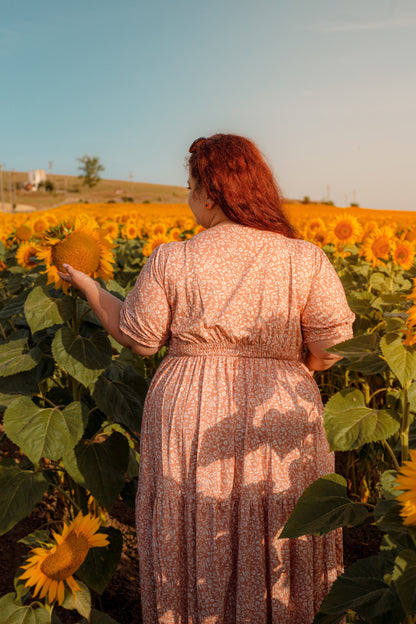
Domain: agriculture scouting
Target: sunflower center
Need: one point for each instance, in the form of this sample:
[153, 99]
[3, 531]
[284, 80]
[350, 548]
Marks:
[402, 254]
[23, 233]
[343, 230]
[79, 250]
[66, 559]
[381, 247]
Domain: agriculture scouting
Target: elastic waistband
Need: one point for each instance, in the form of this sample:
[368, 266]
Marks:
[177, 348]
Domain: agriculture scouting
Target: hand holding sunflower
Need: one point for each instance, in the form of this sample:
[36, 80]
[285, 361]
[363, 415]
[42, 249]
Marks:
[76, 278]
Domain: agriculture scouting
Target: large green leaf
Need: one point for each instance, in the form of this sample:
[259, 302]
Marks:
[361, 353]
[101, 563]
[12, 613]
[323, 507]
[43, 432]
[362, 588]
[15, 357]
[81, 602]
[387, 516]
[401, 359]
[404, 577]
[42, 310]
[360, 302]
[103, 465]
[120, 396]
[20, 491]
[82, 358]
[98, 617]
[26, 383]
[349, 423]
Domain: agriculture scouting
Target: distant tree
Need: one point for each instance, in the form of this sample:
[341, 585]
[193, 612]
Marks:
[90, 167]
[49, 186]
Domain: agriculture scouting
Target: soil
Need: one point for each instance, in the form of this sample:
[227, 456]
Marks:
[121, 598]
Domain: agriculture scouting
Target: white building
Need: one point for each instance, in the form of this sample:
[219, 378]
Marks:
[35, 177]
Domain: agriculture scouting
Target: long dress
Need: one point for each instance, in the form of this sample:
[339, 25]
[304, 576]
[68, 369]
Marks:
[232, 431]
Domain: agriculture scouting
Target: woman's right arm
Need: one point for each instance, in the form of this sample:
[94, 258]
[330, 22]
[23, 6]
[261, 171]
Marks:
[317, 359]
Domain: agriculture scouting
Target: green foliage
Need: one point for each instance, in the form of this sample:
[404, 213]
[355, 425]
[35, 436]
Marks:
[323, 507]
[90, 168]
[20, 491]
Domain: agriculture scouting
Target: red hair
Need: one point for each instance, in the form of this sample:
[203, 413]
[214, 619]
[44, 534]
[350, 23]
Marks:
[236, 177]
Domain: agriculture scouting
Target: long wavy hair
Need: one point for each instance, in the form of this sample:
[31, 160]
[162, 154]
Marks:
[236, 177]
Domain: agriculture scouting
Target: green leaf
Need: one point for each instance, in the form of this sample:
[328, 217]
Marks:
[349, 423]
[35, 538]
[98, 617]
[388, 482]
[43, 432]
[401, 359]
[404, 577]
[360, 302]
[362, 588]
[101, 563]
[15, 357]
[361, 353]
[26, 383]
[103, 466]
[387, 516]
[121, 396]
[20, 491]
[81, 602]
[11, 613]
[323, 507]
[42, 310]
[82, 358]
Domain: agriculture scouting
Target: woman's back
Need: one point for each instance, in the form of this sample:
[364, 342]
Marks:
[232, 432]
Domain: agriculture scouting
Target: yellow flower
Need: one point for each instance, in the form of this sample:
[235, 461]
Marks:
[315, 224]
[345, 229]
[320, 238]
[130, 231]
[40, 225]
[158, 229]
[376, 246]
[406, 480]
[26, 255]
[175, 234]
[48, 567]
[23, 233]
[404, 254]
[152, 243]
[82, 245]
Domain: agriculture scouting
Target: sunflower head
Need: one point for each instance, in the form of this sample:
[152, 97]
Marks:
[82, 245]
[345, 229]
[404, 254]
[152, 243]
[23, 233]
[26, 255]
[406, 483]
[49, 567]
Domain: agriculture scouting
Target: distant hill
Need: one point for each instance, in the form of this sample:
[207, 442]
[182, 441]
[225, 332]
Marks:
[70, 190]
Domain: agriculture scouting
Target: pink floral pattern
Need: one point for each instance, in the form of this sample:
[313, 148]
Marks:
[232, 432]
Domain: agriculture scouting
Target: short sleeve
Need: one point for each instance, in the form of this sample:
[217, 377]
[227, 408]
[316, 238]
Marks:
[146, 315]
[326, 315]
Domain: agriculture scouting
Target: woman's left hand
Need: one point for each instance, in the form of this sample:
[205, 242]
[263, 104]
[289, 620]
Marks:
[78, 279]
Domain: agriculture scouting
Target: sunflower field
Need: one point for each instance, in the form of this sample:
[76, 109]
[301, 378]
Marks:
[72, 399]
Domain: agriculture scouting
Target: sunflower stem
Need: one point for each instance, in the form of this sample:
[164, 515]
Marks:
[66, 495]
[392, 455]
[404, 430]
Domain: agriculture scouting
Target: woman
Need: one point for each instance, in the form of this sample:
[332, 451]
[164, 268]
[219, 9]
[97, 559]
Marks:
[232, 432]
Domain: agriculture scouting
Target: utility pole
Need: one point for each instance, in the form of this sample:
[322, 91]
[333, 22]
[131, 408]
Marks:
[1, 187]
[10, 192]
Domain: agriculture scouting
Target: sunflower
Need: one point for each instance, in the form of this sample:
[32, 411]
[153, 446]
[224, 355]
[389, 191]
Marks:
[40, 225]
[49, 566]
[320, 238]
[26, 255]
[82, 245]
[152, 243]
[175, 234]
[376, 246]
[159, 229]
[406, 482]
[404, 254]
[315, 224]
[345, 229]
[130, 231]
[23, 233]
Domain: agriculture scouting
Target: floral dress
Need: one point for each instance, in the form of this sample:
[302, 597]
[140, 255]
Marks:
[232, 431]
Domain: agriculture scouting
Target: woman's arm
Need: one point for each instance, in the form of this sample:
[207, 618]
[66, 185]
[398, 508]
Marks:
[106, 307]
[317, 358]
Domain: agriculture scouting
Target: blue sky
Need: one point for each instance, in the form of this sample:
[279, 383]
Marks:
[326, 88]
